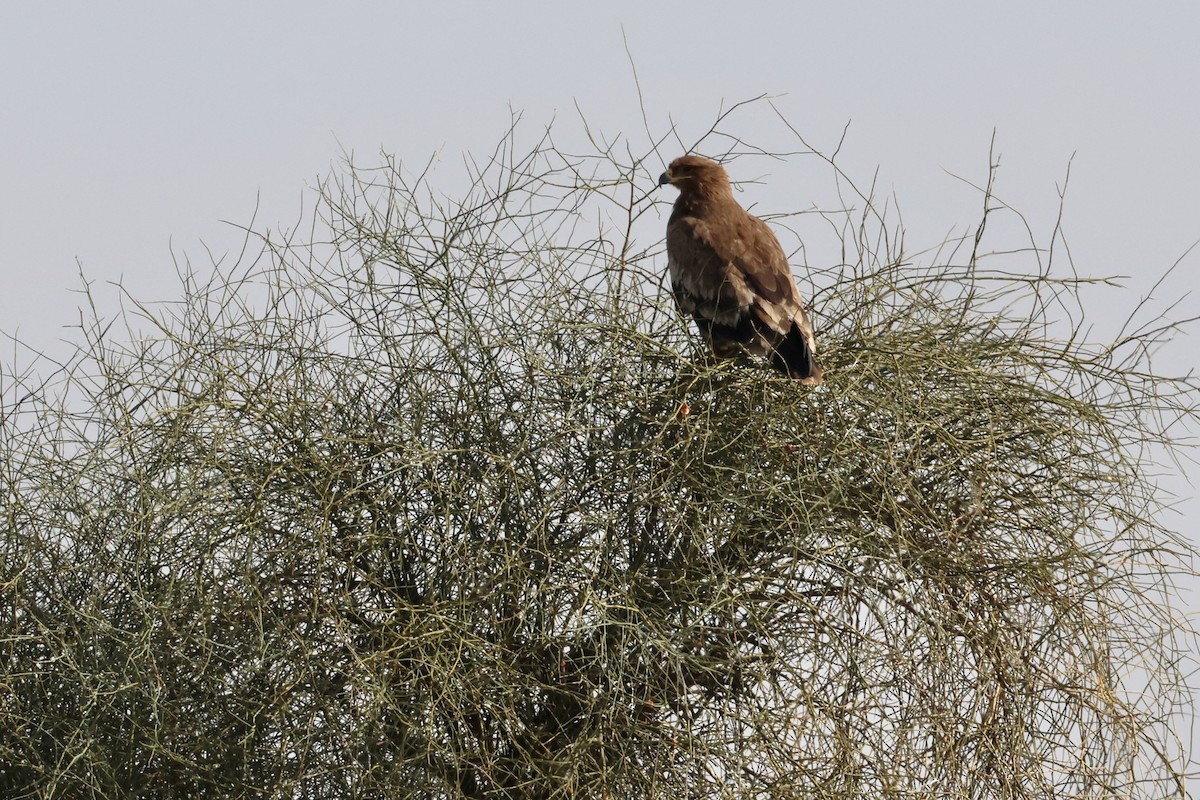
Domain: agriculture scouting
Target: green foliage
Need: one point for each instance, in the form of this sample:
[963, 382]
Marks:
[451, 506]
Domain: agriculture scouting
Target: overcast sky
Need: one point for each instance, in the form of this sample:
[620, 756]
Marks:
[127, 128]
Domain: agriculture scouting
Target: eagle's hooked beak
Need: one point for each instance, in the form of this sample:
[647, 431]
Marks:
[664, 179]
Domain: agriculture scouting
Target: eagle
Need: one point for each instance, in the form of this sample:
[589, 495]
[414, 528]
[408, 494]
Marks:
[731, 274]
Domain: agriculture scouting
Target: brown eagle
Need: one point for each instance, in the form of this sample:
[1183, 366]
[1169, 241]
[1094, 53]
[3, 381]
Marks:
[730, 273]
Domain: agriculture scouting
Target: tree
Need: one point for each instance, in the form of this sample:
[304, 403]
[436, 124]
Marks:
[450, 504]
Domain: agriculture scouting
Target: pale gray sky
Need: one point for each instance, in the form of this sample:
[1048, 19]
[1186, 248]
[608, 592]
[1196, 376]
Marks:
[128, 126]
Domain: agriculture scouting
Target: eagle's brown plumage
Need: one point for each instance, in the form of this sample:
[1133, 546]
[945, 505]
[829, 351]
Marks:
[730, 273]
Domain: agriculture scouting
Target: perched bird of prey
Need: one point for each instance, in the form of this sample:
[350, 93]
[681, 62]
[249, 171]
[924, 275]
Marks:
[730, 273]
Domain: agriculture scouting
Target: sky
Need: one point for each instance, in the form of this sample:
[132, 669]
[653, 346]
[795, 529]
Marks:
[131, 131]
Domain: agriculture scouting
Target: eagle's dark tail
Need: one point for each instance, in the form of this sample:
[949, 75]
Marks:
[794, 356]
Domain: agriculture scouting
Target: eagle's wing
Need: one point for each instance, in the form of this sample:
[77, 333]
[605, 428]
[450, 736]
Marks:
[729, 267]
[764, 263]
[729, 271]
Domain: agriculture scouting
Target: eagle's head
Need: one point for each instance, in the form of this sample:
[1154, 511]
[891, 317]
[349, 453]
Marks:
[695, 174]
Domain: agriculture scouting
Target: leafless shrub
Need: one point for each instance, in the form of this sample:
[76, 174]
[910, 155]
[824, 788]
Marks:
[448, 504]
